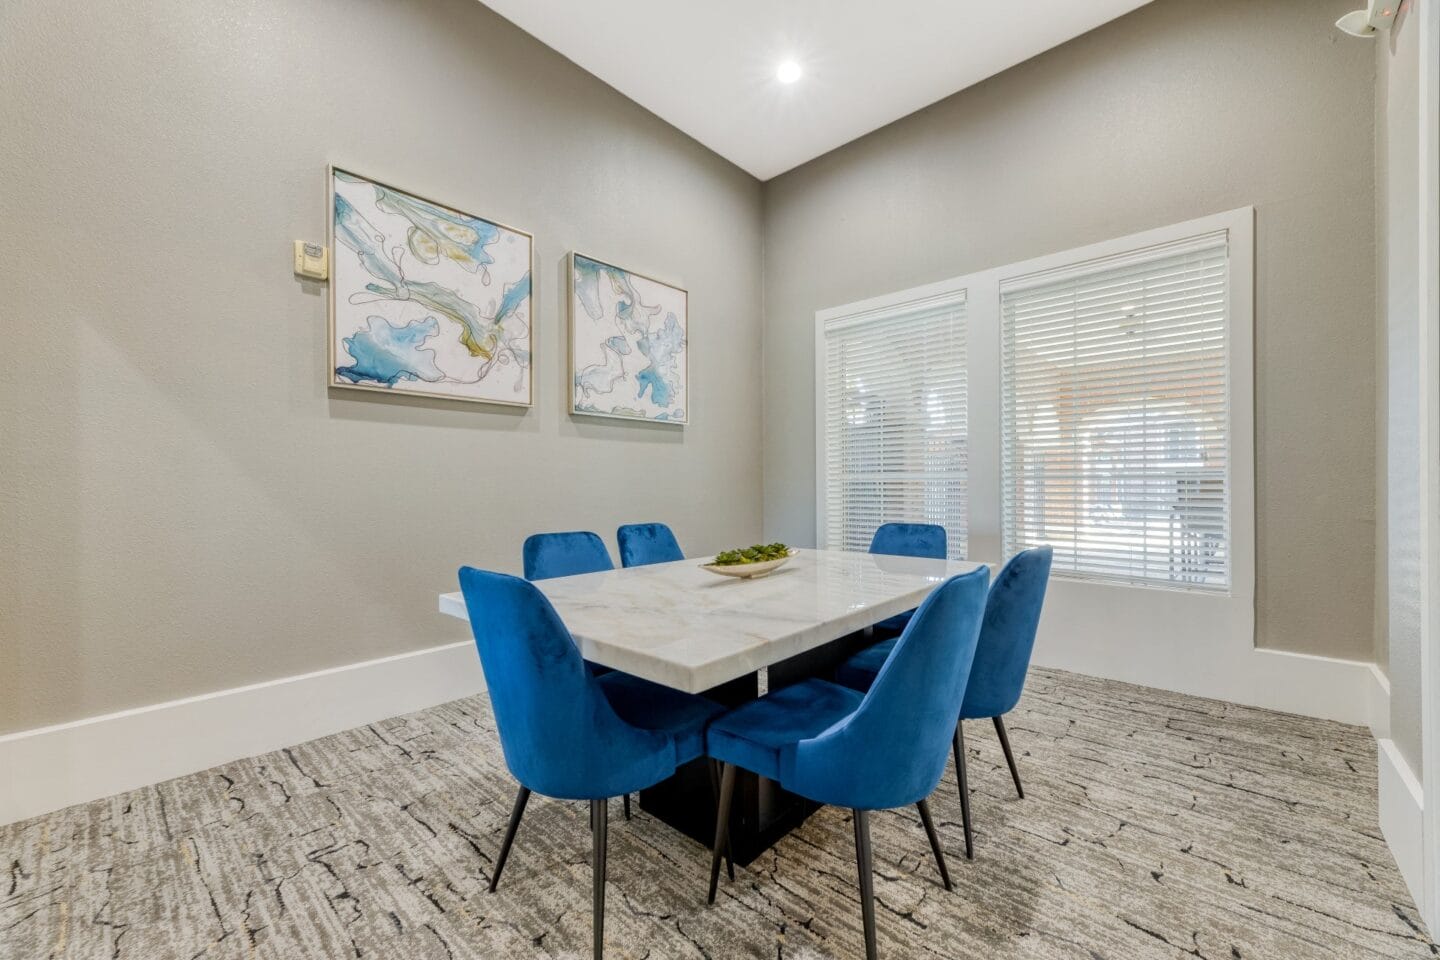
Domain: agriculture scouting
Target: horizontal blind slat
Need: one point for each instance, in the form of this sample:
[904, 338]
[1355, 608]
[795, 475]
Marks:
[1115, 415]
[895, 421]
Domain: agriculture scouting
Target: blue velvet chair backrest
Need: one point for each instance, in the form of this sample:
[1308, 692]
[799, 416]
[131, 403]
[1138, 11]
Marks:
[559, 733]
[1007, 635]
[891, 751]
[549, 555]
[910, 540]
[643, 543]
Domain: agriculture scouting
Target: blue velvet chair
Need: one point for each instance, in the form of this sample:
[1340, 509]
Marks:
[548, 555]
[646, 543]
[1002, 659]
[873, 751]
[907, 540]
[566, 733]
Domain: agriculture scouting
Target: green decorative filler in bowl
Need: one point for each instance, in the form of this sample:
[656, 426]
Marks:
[748, 562]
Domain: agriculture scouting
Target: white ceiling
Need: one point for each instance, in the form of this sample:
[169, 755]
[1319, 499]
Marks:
[708, 68]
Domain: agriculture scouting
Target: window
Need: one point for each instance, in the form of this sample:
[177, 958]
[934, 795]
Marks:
[1115, 418]
[893, 420]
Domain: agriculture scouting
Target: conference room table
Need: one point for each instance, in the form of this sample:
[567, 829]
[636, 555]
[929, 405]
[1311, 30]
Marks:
[732, 639]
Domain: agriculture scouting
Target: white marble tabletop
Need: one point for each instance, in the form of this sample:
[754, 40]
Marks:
[690, 629]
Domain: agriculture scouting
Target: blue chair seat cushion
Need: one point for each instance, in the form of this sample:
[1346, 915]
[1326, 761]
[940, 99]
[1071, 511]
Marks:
[753, 734]
[860, 671]
[651, 706]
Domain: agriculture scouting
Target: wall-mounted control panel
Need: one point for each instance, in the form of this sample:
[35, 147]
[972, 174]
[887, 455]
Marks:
[312, 260]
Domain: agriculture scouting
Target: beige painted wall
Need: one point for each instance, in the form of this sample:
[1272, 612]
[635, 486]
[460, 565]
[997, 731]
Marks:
[184, 507]
[1178, 110]
[1398, 554]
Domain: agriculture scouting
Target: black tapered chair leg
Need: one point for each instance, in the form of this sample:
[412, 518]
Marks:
[959, 747]
[627, 806]
[715, 789]
[599, 825]
[1009, 757]
[516, 812]
[865, 861]
[722, 825]
[924, 807]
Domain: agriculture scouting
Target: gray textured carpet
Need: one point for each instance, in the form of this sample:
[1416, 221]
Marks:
[1155, 825]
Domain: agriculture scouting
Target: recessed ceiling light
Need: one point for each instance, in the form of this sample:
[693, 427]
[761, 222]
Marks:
[788, 72]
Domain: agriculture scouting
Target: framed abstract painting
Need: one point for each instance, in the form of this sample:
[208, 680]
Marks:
[629, 344]
[426, 300]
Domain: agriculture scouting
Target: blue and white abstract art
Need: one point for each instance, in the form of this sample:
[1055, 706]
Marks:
[424, 299]
[628, 342]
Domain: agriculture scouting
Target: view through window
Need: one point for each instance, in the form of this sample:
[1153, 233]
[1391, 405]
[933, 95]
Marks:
[1115, 415]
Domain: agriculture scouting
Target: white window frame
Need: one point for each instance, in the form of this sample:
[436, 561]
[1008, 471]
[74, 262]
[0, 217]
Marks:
[1072, 267]
[1141, 606]
[879, 307]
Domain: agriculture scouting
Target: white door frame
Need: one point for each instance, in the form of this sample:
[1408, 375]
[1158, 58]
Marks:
[1429, 302]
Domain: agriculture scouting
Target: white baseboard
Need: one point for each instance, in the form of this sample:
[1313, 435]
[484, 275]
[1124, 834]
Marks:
[1194, 643]
[1321, 687]
[53, 767]
[1378, 701]
[1401, 816]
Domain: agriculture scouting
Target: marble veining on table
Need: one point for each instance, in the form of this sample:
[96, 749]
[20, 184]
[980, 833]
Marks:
[682, 626]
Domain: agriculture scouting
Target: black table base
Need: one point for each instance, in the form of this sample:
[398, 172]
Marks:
[761, 813]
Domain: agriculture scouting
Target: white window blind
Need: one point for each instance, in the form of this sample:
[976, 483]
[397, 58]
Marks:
[895, 421]
[1115, 417]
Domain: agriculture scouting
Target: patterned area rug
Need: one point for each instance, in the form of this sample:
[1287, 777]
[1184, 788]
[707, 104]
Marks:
[1154, 825]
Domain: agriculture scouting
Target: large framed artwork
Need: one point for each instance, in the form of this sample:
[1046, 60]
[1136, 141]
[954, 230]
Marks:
[629, 348]
[426, 300]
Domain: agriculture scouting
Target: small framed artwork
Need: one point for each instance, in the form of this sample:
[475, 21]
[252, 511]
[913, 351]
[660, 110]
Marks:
[426, 300]
[629, 344]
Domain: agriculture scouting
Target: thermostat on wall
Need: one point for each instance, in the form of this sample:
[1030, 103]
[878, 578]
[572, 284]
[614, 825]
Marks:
[312, 260]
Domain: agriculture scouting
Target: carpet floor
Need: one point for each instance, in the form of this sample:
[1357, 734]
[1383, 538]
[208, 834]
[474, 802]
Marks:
[1155, 825]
